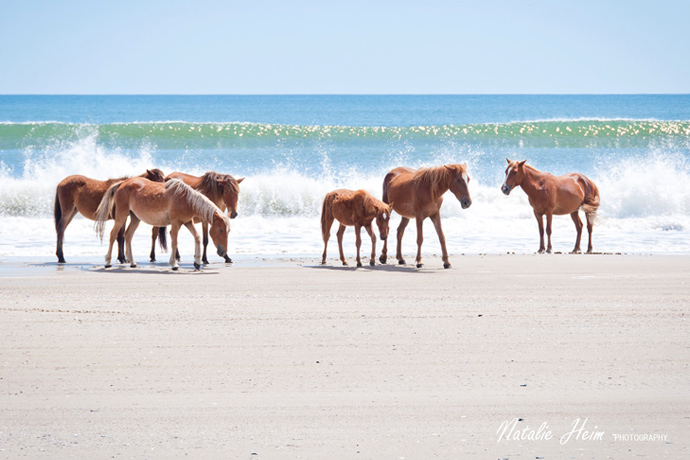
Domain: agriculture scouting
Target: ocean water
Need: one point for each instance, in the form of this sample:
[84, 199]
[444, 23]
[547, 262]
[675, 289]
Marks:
[292, 150]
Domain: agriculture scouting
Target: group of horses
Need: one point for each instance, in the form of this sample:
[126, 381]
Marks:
[181, 199]
[419, 194]
[158, 200]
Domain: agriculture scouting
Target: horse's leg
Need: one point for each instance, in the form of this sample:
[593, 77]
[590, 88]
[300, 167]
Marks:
[540, 221]
[60, 227]
[197, 244]
[358, 242]
[204, 232]
[578, 226]
[154, 237]
[590, 227]
[129, 234]
[121, 257]
[341, 232]
[326, 234]
[174, 230]
[384, 252]
[401, 230]
[549, 217]
[119, 223]
[372, 234]
[420, 240]
[436, 219]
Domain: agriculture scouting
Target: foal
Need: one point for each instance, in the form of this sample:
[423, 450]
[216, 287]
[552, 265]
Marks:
[354, 208]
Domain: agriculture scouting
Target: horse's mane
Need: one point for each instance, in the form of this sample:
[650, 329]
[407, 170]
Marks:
[373, 205]
[213, 184]
[436, 177]
[202, 206]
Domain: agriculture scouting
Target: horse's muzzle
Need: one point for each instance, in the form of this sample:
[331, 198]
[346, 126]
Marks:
[505, 189]
[383, 237]
[233, 214]
[221, 252]
[465, 203]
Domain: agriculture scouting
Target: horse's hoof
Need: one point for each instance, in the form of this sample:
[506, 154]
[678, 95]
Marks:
[359, 264]
[344, 264]
[382, 260]
[372, 263]
[576, 251]
[401, 262]
[175, 268]
[548, 251]
[228, 260]
[420, 265]
[61, 261]
[108, 266]
[197, 266]
[133, 265]
[541, 251]
[205, 261]
[153, 259]
[446, 265]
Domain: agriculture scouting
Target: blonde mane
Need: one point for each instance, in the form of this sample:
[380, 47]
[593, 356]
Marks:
[373, 205]
[436, 178]
[202, 206]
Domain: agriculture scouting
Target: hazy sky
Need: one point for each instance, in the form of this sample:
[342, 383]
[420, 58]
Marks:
[351, 47]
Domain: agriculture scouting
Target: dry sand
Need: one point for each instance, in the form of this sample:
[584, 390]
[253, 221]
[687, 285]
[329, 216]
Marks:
[283, 359]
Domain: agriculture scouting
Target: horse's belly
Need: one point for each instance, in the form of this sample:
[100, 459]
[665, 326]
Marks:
[157, 218]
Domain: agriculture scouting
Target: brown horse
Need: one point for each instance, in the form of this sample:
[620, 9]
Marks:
[354, 208]
[222, 189]
[80, 194]
[172, 203]
[419, 194]
[549, 195]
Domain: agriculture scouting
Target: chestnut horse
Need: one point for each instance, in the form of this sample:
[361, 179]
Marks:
[354, 208]
[171, 203]
[560, 195]
[419, 194]
[80, 194]
[222, 189]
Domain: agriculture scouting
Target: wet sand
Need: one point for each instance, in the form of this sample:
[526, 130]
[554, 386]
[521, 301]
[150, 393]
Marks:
[286, 359]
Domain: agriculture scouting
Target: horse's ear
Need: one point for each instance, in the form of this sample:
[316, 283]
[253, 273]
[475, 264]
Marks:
[148, 172]
[508, 161]
[522, 163]
[240, 180]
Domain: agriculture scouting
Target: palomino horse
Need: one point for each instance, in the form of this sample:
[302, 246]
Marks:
[549, 195]
[354, 208]
[172, 203]
[419, 194]
[81, 194]
[222, 189]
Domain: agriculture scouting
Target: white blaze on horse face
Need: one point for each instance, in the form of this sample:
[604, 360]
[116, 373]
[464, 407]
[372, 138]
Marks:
[465, 178]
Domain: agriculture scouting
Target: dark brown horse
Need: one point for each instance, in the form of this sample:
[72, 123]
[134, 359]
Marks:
[222, 189]
[79, 194]
[549, 195]
[354, 208]
[172, 203]
[418, 194]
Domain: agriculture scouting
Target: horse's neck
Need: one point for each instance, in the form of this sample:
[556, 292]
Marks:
[531, 180]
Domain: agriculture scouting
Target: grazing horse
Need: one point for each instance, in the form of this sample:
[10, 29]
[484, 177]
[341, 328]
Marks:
[222, 189]
[549, 195]
[171, 203]
[80, 194]
[354, 208]
[419, 194]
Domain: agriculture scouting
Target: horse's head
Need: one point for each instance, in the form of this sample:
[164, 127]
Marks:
[382, 219]
[155, 175]
[220, 227]
[515, 172]
[231, 194]
[459, 184]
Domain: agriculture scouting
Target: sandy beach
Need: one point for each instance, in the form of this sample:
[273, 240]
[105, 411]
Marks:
[499, 357]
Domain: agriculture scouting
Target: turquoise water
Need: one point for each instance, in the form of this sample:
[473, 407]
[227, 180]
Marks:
[293, 149]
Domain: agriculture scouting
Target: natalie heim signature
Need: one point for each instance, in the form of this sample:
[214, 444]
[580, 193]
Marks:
[510, 432]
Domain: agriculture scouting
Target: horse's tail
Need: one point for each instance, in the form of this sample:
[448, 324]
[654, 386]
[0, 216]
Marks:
[591, 202]
[163, 239]
[386, 181]
[327, 215]
[57, 212]
[105, 209]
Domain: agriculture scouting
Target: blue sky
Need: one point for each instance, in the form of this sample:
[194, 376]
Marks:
[353, 47]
